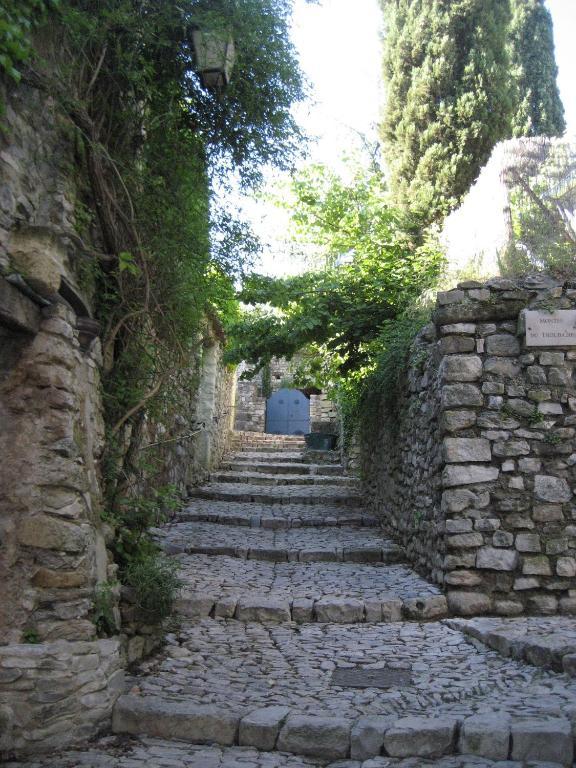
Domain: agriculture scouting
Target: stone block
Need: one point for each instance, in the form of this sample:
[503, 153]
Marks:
[194, 606]
[421, 737]
[324, 737]
[536, 566]
[547, 513]
[523, 584]
[463, 525]
[44, 532]
[455, 345]
[183, 720]
[391, 609]
[456, 395]
[466, 449]
[466, 329]
[367, 737]
[450, 297]
[424, 608]
[488, 420]
[225, 607]
[458, 500]
[452, 421]
[465, 540]
[529, 466]
[551, 358]
[502, 366]
[546, 739]
[566, 566]
[569, 664]
[502, 345]
[463, 578]
[490, 558]
[511, 448]
[461, 368]
[303, 610]
[486, 735]
[468, 474]
[339, 610]
[260, 728]
[261, 608]
[550, 409]
[468, 603]
[503, 539]
[552, 489]
[536, 375]
[528, 542]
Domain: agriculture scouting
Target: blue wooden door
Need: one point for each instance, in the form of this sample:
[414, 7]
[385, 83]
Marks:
[288, 413]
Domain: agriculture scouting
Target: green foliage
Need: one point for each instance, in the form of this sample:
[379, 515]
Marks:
[542, 204]
[351, 323]
[134, 515]
[103, 609]
[343, 307]
[155, 584]
[539, 110]
[17, 20]
[31, 636]
[461, 76]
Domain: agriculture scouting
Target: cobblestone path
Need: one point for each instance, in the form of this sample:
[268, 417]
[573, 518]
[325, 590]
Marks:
[306, 641]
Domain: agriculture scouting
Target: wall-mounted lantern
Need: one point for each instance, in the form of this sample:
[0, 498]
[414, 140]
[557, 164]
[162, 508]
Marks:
[215, 55]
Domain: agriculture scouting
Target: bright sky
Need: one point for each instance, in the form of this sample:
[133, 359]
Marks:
[339, 44]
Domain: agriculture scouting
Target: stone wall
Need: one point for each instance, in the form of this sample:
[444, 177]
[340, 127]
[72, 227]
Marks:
[476, 472]
[58, 681]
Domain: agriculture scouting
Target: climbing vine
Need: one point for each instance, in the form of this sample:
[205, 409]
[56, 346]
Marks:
[153, 143]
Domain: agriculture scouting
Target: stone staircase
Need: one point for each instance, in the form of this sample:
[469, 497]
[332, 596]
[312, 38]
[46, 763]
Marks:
[306, 641]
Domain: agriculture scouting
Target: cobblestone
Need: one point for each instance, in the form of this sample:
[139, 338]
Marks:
[273, 515]
[350, 543]
[310, 558]
[236, 665]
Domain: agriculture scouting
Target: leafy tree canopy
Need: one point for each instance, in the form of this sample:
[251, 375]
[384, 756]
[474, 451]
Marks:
[377, 263]
[460, 76]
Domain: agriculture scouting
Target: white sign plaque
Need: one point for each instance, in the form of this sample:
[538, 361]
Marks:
[551, 329]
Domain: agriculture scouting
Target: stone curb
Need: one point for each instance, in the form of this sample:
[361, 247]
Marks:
[333, 499]
[277, 523]
[324, 610]
[491, 736]
[281, 468]
[540, 651]
[389, 556]
[273, 480]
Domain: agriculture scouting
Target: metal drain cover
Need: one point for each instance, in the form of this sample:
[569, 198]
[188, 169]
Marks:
[359, 677]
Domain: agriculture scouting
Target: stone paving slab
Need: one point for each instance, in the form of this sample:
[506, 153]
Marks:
[329, 544]
[279, 479]
[265, 456]
[121, 752]
[285, 494]
[248, 666]
[274, 515]
[543, 642]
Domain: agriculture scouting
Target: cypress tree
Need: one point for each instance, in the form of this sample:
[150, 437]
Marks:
[539, 110]
[456, 74]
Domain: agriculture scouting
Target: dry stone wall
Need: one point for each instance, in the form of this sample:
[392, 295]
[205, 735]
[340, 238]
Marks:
[58, 680]
[476, 473]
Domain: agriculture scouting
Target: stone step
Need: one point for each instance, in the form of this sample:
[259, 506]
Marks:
[283, 468]
[327, 544]
[537, 640]
[341, 592]
[340, 738]
[286, 494]
[339, 692]
[269, 479]
[325, 610]
[263, 457]
[274, 517]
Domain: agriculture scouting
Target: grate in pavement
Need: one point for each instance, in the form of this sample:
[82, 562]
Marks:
[359, 677]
